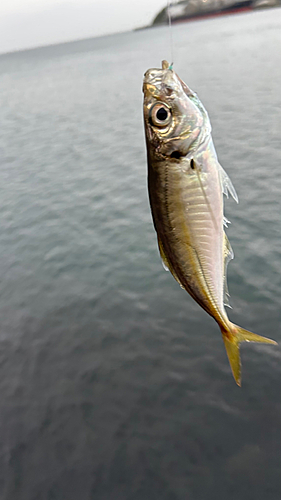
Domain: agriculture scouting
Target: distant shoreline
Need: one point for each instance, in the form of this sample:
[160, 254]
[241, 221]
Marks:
[239, 7]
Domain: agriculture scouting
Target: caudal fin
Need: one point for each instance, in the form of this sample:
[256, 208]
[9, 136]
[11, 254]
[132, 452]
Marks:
[232, 338]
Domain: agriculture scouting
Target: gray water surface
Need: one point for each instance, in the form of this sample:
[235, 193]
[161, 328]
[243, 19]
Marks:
[114, 384]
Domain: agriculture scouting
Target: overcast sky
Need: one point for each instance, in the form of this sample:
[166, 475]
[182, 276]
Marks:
[31, 23]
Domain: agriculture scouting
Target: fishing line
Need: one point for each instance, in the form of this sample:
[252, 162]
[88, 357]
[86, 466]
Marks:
[171, 32]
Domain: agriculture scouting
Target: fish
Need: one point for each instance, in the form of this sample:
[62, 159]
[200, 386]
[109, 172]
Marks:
[186, 184]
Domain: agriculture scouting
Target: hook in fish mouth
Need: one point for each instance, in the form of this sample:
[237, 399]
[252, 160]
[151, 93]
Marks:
[166, 65]
[162, 82]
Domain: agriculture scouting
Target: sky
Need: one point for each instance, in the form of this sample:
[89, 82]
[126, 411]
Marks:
[33, 23]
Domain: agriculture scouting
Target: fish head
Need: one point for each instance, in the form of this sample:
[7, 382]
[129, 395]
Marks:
[172, 118]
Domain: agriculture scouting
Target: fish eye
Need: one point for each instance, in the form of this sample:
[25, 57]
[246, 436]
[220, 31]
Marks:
[160, 115]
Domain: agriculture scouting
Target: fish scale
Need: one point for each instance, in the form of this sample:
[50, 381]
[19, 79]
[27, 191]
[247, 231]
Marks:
[178, 230]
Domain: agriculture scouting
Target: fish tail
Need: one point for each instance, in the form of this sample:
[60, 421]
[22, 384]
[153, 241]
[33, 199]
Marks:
[232, 337]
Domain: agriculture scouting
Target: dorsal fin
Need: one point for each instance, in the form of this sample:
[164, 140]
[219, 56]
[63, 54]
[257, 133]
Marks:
[167, 266]
[226, 184]
[228, 255]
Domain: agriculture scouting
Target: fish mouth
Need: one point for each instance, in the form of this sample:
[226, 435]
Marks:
[162, 83]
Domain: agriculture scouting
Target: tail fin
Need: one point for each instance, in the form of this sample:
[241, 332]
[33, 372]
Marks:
[232, 338]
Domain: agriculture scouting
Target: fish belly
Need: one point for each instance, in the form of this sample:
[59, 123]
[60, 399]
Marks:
[187, 209]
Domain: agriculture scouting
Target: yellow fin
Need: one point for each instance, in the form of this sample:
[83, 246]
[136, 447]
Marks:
[232, 338]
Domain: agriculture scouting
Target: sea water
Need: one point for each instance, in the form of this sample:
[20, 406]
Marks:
[114, 383]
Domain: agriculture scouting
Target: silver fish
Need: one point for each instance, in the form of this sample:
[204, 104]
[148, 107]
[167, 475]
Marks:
[186, 185]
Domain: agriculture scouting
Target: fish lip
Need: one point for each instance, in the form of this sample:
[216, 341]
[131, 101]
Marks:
[152, 81]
